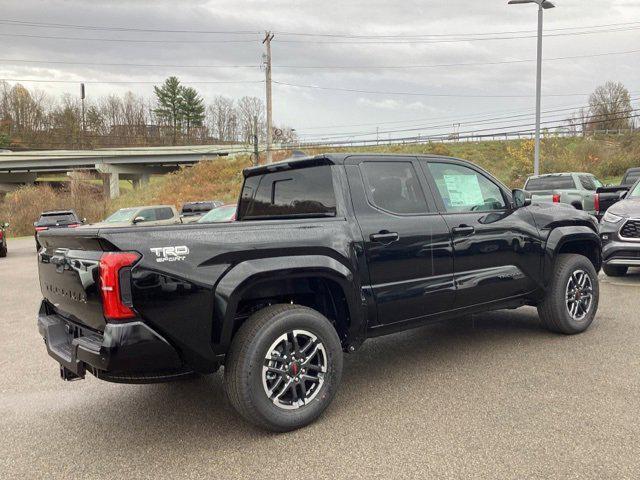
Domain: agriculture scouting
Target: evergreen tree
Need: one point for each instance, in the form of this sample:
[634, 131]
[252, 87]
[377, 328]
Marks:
[170, 104]
[192, 108]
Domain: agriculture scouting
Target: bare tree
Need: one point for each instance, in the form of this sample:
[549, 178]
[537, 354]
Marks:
[248, 108]
[221, 119]
[610, 107]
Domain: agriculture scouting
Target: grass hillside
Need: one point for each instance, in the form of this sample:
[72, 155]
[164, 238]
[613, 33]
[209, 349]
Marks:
[511, 161]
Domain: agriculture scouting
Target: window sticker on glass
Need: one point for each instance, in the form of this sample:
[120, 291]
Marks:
[463, 190]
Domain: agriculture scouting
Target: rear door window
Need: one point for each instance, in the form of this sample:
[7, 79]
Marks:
[302, 192]
[394, 187]
[163, 213]
[556, 182]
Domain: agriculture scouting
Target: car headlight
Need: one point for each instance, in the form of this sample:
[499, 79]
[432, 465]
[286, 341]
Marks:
[611, 218]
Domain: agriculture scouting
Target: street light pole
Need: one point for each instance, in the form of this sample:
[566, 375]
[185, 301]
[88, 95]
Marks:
[536, 154]
[542, 5]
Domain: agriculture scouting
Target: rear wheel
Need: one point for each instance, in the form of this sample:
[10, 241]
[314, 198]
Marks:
[615, 270]
[284, 367]
[3, 251]
[571, 301]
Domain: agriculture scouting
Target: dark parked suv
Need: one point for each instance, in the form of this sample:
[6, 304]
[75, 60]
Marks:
[326, 252]
[56, 219]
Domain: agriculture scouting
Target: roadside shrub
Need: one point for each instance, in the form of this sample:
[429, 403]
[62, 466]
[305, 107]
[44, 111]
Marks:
[23, 207]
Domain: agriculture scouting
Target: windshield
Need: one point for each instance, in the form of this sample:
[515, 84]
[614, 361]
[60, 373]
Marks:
[631, 177]
[635, 191]
[220, 214]
[122, 215]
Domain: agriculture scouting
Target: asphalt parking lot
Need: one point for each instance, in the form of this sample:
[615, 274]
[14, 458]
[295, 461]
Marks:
[495, 396]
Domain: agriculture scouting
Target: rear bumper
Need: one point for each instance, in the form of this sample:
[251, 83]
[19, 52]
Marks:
[127, 352]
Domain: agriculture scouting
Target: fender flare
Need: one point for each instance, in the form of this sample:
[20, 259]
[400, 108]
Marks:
[244, 275]
[560, 236]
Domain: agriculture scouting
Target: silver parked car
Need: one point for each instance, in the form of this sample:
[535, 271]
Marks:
[148, 215]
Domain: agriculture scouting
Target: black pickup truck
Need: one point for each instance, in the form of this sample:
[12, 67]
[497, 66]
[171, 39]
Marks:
[326, 252]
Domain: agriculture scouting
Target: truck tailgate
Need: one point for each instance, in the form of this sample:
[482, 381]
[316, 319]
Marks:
[69, 275]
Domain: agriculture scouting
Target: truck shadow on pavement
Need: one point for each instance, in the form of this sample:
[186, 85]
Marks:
[197, 410]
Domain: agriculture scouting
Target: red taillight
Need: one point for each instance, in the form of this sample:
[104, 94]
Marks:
[596, 203]
[111, 265]
[73, 225]
[1, 234]
[39, 229]
[556, 198]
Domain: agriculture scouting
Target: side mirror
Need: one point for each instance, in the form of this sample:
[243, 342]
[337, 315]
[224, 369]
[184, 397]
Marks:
[84, 220]
[5, 225]
[521, 198]
[138, 220]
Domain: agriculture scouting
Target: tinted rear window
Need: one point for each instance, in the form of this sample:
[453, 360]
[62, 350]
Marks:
[304, 192]
[563, 182]
[57, 219]
[197, 207]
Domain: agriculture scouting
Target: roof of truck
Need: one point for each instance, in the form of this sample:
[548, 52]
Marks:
[332, 158]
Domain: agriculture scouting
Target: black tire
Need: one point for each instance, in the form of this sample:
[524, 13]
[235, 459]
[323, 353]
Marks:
[3, 252]
[554, 308]
[243, 374]
[615, 270]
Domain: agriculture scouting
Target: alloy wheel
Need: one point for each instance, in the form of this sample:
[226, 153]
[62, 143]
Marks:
[579, 294]
[294, 369]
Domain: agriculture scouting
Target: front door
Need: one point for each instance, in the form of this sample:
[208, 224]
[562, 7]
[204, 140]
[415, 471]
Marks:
[497, 254]
[406, 243]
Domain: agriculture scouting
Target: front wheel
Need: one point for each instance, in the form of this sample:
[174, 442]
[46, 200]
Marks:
[571, 301]
[284, 367]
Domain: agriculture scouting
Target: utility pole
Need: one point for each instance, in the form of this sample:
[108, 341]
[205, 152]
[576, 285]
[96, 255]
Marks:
[255, 140]
[83, 124]
[268, 36]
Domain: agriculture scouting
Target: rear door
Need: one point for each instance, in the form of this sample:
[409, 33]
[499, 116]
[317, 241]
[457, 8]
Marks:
[497, 252]
[406, 242]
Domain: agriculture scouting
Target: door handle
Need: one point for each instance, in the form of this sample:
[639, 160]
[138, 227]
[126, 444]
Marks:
[384, 236]
[463, 230]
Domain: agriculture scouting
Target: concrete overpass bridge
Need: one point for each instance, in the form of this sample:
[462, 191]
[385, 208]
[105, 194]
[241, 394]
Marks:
[136, 164]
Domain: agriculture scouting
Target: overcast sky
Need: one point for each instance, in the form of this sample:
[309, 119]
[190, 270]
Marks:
[509, 88]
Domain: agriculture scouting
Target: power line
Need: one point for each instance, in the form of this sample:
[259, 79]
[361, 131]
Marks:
[329, 67]
[458, 40]
[121, 40]
[112, 64]
[26, 23]
[420, 94]
[122, 29]
[132, 82]
[467, 124]
[462, 38]
[424, 35]
[462, 135]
